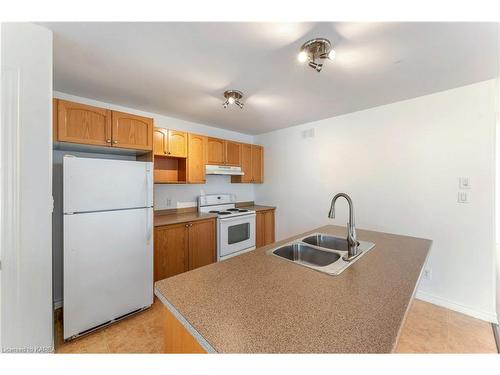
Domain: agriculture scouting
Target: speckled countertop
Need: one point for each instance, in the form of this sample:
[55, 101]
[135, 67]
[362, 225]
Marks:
[256, 207]
[167, 218]
[176, 218]
[257, 303]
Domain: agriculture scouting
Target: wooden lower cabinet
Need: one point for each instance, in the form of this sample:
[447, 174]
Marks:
[170, 250]
[202, 248]
[264, 232]
[182, 247]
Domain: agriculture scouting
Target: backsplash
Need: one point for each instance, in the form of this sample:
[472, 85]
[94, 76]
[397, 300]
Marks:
[181, 196]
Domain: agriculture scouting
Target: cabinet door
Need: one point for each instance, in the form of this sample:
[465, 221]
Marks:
[257, 164]
[233, 153]
[80, 123]
[246, 163]
[259, 229]
[202, 250]
[160, 141]
[216, 151]
[177, 144]
[268, 227]
[197, 155]
[171, 250]
[131, 131]
[264, 233]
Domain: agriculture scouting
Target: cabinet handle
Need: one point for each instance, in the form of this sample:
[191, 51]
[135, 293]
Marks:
[187, 225]
[115, 142]
[108, 140]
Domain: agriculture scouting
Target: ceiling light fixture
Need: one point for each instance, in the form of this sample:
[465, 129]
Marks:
[233, 97]
[314, 49]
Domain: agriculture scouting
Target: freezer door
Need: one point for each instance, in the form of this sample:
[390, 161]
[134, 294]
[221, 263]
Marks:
[108, 266]
[101, 184]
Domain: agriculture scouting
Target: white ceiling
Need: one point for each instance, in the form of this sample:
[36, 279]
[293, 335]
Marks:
[182, 69]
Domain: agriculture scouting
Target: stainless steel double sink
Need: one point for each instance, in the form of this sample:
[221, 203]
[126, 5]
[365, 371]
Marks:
[321, 252]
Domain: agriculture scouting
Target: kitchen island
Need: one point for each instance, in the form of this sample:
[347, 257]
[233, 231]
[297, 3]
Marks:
[258, 303]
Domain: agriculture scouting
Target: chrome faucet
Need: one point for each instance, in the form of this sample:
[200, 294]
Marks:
[352, 241]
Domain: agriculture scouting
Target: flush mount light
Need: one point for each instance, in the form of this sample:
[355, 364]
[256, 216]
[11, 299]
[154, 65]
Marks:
[316, 49]
[233, 97]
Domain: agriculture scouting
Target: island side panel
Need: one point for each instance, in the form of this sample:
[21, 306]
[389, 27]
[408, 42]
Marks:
[177, 339]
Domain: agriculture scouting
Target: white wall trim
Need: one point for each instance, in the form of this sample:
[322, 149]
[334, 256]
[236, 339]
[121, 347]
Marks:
[467, 310]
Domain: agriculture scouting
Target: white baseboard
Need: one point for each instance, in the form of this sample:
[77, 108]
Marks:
[483, 315]
[58, 304]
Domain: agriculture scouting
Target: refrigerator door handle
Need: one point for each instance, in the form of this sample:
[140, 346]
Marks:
[149, 188]
[149, 226]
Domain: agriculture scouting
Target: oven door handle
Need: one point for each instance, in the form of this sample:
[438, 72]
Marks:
[234, 218]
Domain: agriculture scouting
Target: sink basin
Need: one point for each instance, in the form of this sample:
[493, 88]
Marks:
[321, 252]
[301, 253]
[326, 241]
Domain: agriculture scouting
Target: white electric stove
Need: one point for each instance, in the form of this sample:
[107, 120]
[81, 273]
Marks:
[235, 226]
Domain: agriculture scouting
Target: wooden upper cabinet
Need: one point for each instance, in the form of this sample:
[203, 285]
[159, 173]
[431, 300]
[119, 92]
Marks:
[233, 153]
[216, 151]
[85, 124]
[252, 164]
[81, 123]
[132, 131]
[246, 164]
[257, 164]
[177, 144]
[197, 156]
[202, 249]
[160, 139]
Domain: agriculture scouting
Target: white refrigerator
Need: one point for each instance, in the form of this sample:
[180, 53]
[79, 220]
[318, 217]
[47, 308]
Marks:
[108, 241]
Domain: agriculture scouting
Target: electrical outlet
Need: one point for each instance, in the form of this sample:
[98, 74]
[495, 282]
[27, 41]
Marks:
[463, 197]
[427, 274]
[464, 183]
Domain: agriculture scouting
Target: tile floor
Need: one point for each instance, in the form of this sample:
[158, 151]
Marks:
[433, 329]
[141, 333]
[428, 329]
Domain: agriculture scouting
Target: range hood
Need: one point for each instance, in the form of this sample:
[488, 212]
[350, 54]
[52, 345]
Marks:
[223, 170]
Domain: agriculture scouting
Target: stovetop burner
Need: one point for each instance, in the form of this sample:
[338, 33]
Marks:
[237, 210]
[224, 213]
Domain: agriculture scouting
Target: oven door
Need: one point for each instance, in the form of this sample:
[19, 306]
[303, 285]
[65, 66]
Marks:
[236, 234]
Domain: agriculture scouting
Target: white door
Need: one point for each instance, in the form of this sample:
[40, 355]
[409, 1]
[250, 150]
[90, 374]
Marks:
[102, 184]
[108, 266]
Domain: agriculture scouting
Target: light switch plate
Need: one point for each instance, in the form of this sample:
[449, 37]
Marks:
[464, 182]
[463, 197]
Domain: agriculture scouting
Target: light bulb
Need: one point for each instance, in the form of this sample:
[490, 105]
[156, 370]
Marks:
[231, 100]
[331, 54]
[302, 56]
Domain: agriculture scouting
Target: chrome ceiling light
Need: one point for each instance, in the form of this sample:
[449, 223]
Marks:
[233, 97]
[316, 49]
